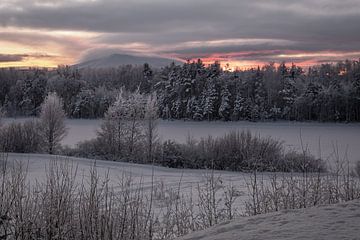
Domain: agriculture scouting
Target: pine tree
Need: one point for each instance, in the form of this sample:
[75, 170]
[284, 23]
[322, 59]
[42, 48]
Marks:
[177, 109]
[198, 110]
[239, 104]
[85, 105]
[209, 98]
[287, 95]
[248, 110]
[190, 107]
[225, 107]
[146, 84]
[259, 110]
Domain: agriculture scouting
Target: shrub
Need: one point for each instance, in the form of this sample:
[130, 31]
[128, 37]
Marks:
[21, 137]
[357, 168]
[301, 162]
[236, 151]
[293, 191]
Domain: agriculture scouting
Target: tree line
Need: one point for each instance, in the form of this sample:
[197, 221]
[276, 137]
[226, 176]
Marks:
[193, 91]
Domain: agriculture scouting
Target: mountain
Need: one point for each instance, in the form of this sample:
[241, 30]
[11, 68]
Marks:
[116, 60]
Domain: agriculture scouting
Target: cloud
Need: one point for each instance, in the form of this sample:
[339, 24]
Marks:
[11, 58]
[190, 28]
[22, 57]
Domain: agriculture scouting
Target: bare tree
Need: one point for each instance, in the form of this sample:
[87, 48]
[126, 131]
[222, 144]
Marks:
[151, 117]
[1, 115]
[52, 122]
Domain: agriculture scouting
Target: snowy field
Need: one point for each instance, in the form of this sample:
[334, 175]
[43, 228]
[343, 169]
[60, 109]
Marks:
[163, 178]
[38, 163]
[328, 222]
[332, 222]
[321, 139]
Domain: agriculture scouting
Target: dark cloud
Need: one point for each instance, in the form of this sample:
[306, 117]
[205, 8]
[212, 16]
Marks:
[164, 26]
[21, 57]
[11, 57]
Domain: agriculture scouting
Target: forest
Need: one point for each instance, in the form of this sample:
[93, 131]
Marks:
[193, 91]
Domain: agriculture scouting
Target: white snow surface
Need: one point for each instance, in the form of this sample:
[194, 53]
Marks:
[146, 175]
[320, 139]
[327, 222]
[333, 222]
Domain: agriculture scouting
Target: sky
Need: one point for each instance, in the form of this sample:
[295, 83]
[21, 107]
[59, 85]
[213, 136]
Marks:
[242, 33]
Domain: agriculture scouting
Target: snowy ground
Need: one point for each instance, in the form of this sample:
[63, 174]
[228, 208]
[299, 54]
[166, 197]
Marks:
[341, 221]
[329, 222]
[169, 177]
[320, 138]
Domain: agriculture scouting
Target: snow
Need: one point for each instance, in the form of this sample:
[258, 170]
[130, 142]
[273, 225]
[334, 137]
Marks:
[328, 222]
[321, 139]
[332, 222]
[189, 178]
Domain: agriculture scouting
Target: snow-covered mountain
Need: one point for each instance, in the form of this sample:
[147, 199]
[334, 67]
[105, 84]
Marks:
[115, 60]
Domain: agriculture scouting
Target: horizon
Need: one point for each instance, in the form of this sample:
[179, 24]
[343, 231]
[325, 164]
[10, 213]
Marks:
[243, 34]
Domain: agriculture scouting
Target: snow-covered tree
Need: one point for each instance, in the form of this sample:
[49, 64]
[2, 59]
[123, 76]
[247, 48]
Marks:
[135, 110]
[249, 112]
[52, 122]
[259, 109]
[84, 106]
[114, 128]
[209, 97]
[177, 109]
[275, 112]
[239, 107]
[287, 96]
[198, 110]
[147, 83]
[225, 107]
[190, 107]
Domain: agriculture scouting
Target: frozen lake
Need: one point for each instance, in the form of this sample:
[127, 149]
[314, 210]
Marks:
[321, 139]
